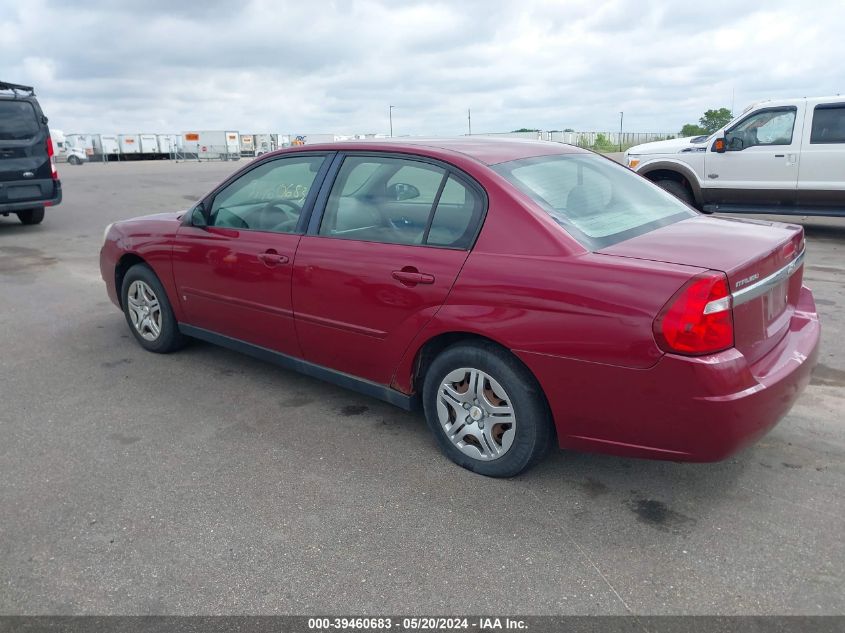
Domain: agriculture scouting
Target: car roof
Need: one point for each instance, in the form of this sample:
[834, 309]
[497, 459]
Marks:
[487, 150]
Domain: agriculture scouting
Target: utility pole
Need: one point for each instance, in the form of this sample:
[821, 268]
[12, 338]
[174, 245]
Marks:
[390, 116]
[621, 116]
[469, 121]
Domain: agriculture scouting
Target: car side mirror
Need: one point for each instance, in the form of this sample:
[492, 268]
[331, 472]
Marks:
[402, 191]
[198, 217]
[719, 145]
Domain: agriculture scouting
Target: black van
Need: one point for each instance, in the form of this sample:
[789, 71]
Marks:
[28, 177]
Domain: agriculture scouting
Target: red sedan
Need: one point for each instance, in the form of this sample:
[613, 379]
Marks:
[517, 291]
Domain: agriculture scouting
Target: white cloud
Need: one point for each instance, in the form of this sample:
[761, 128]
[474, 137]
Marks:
[336, 66]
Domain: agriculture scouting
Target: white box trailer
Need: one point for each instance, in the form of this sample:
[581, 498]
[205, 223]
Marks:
[105, 144]
[212, 145]
[247, 145]
[129, 144]
[148, 144]
[168, 143]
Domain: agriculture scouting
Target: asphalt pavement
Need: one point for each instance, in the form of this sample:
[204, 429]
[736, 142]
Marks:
[206, 482]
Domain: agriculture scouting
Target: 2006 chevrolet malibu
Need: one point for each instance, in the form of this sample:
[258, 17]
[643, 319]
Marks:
[521, 292]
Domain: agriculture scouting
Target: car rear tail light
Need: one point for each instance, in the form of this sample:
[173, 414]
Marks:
[54, 173]
[698, 319]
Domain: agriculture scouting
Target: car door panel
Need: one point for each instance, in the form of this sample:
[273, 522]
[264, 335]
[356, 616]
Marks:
[821, 179]
[359, 304]
[228, 285]
[758, 174]
[233, 271]
[380, 259]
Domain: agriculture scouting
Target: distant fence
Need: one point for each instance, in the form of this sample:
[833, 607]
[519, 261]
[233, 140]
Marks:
[599, 140]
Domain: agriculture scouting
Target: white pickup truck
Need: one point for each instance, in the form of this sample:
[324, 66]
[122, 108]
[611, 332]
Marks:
[779, 156]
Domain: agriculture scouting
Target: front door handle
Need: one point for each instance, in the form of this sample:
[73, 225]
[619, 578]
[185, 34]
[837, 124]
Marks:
[412, 277]
[271, 258]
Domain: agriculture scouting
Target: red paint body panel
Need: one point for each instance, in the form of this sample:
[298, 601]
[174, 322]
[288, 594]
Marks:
[580, 321]
[150, 238]
[224, 287]
[352, 314]
[744, 252]
[688, 409]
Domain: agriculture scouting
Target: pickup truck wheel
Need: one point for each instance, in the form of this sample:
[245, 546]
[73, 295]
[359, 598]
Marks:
[148, 311]
[31, 216]
[486, 410]
[676, 189]
[74, 160]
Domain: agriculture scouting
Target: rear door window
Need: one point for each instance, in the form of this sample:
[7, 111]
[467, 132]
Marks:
[828, 124]
[401, 201]
[18, 120]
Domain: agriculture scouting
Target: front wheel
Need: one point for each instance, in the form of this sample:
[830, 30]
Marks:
[31, 216]
[677, 189]
[486, 410]
[74, 160]
[148, 311]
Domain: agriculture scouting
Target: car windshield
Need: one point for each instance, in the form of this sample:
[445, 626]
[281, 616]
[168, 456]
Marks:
[17, 121]
[596, 200]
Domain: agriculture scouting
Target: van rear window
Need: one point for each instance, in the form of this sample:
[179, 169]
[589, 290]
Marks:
[596, 200]
[17, 120]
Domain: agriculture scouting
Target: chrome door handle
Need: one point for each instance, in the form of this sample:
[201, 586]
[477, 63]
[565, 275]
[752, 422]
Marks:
[412, 277]
[272, 258]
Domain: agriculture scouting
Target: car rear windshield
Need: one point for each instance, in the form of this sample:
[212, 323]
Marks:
[17, 120]
[597, 201]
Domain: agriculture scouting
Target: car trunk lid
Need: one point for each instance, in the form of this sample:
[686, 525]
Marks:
[762, 261]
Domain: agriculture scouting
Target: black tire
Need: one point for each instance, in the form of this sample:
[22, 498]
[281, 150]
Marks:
[169, 338]
[74, 160]
[31, 216]
[533, 431]
[676, 189]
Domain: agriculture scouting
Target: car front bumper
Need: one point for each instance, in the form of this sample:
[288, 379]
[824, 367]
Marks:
[683, 408]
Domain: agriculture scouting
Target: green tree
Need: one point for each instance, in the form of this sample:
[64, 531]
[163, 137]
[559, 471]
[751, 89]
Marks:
[714, 119]
[526, 129]
[691, 129]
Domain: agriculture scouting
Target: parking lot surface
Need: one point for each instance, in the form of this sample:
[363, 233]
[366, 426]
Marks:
[206, 482]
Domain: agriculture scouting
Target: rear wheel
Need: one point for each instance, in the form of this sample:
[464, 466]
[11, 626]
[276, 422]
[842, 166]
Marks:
[148, 311]
[31, 216]
[677, 189]
[74, 160]
[486, 410]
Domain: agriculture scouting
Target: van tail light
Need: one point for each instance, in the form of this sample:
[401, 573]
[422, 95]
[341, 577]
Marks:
[54, 173]
[698, 319]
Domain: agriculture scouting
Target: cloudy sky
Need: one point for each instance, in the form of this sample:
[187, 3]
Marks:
[320, 66]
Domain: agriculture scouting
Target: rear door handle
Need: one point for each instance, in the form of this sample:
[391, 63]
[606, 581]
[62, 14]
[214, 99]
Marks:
[412, 277]
[272, 258]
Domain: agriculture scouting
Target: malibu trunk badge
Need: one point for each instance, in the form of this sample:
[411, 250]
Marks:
[747, 280]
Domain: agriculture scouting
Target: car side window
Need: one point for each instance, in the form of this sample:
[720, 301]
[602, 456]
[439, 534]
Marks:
[828, 124]
[769, 127]
[378, 199]
[456, 216]
[268, 198]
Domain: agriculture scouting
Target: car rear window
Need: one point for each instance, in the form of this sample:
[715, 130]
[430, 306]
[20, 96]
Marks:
[597, 201]
[17, 120]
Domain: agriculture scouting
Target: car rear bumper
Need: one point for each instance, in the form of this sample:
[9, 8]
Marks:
[683, 408]
[9, 204]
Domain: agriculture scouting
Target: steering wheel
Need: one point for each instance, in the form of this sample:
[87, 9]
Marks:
[292, 213]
